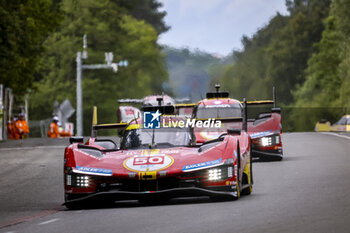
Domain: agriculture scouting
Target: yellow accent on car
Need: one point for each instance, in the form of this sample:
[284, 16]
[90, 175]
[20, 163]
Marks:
[256, 102]
[148, 175]
[134, 126]
[185, 105]
[94, 117]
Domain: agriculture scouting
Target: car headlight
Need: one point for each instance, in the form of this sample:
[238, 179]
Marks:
[214, 174]
[266, 141]
[80, 181]
[270, 140]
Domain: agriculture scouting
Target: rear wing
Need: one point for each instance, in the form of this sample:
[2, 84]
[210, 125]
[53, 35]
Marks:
[274, 109]
[264, 102]
[259, 102]
[164, 109]
[95, 126]
[191, 105]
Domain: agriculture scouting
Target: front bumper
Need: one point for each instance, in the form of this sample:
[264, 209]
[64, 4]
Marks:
[268, 154]
[169, 193]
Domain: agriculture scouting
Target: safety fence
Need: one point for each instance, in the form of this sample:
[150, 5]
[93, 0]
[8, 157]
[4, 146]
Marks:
[39, 128]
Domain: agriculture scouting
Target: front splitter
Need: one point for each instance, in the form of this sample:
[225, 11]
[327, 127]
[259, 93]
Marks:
[169, 193]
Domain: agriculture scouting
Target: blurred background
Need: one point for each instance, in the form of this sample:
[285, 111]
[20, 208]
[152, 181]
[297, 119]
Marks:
[177, 47]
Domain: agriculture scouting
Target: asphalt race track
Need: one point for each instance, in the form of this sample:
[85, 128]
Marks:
[309, 191]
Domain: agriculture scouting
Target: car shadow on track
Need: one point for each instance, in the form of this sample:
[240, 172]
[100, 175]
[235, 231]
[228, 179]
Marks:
[264, 160]
[138, 204]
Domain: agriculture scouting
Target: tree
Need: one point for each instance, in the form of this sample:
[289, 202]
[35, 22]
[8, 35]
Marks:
[341, 11]
[325, 89]
[109, 27]
[147, 10]
[190, 71]
[247, 77]
[291, 49]
[24, 25]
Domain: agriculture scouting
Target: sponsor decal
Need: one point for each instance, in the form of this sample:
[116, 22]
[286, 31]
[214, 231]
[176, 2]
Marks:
[93, 171]
[260, 134]
[197, 166]
[151, 120]
[164, 151]
[148, 163]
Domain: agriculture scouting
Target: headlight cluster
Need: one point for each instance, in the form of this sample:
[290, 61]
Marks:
[80, 181]
[215, 174]
[266, 141]
[220, 173]
[270, 140]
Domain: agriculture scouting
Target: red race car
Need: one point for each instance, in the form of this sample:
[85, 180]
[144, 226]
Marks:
[158, 159]
[265, 130]
[182, 105]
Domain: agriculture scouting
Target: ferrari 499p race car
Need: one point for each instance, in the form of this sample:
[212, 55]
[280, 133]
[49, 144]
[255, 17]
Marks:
[156, 163]
[128, 113]
[265, 130]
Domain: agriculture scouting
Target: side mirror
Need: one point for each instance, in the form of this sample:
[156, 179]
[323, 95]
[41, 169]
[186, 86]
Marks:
[77, 139]
[234, 131]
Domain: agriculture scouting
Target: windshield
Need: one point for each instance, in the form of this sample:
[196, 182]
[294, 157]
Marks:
[156, 138]
[219, 111]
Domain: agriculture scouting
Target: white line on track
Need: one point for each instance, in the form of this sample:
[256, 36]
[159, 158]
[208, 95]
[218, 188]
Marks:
[49, 221]
[335, 134]
[32, 147]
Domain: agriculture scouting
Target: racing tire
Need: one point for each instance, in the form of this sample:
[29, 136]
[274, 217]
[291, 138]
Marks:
[249, 176]
[238, 182]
